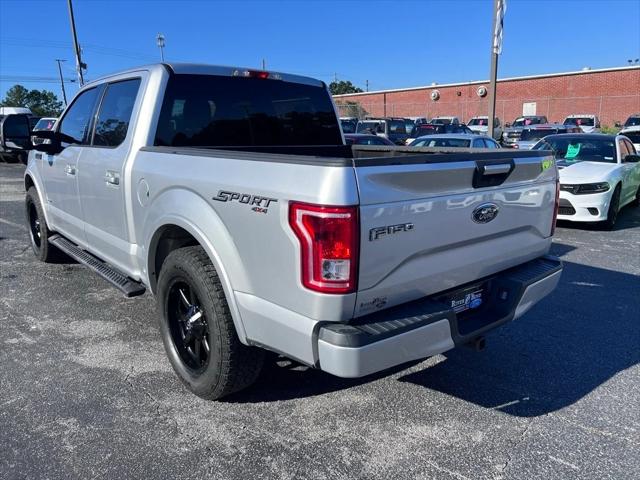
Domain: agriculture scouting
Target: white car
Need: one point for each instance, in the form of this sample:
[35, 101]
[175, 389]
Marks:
[480, 124]
[633, 134]
[455, 140]
[587, 122]
[599, 174]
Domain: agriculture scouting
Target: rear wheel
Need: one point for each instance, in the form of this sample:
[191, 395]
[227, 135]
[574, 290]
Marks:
[636, 201]
[197, 329]
[38, 232]
[614, 208]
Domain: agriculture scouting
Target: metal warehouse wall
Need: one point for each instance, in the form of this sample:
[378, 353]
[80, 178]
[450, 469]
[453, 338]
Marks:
[612, 94]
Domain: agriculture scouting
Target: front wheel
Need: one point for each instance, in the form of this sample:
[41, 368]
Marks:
[38, 232]
[197, 329]
[614, 208]
[636, 200]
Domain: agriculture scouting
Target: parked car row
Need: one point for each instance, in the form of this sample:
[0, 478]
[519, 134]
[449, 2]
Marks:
[511, 135]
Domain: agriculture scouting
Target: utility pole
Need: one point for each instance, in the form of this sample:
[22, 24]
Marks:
[499, 8]
[76, 47]
[64, 93]
[160, 43]
[367, 83]
[335, 77]
[264, 64]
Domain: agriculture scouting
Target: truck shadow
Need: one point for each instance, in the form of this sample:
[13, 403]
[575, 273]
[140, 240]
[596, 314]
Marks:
[580, 337]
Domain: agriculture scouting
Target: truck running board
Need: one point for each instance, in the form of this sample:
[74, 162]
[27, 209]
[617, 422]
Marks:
[129, 287]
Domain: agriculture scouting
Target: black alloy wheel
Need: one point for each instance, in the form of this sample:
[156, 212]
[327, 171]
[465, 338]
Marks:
[188, 326]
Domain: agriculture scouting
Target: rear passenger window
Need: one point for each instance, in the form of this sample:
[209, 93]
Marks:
[75, 123]
[115, 113]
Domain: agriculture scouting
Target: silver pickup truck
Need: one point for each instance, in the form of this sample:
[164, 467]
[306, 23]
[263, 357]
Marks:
[230, 194]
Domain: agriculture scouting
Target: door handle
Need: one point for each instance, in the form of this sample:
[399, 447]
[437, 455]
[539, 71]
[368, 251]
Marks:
[496, 169]
[111, 177]
[70, 170]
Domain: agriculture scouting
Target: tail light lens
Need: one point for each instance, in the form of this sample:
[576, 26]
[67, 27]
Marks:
[555, 209]
[329, 240]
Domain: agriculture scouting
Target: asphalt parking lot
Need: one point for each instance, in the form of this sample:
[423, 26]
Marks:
[86, 390]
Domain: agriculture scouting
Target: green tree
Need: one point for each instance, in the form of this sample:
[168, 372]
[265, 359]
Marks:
[41, 102]
[343, 86]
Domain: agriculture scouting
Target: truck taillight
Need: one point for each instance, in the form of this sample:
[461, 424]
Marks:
[329, 239]
[556, 208]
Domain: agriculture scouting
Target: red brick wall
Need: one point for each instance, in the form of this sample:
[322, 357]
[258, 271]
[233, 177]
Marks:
[612, 95]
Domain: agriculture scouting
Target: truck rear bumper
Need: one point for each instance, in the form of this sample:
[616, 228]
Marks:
[431, 326]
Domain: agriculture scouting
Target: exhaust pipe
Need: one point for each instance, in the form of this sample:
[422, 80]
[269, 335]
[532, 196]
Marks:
[478, 344]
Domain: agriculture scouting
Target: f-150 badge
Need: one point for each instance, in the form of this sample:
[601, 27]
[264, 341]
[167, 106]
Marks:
[379, 232]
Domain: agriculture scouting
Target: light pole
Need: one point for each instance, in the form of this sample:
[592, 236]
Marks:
[76, 47]
[64, 93]
[160, 42]
[499, 7]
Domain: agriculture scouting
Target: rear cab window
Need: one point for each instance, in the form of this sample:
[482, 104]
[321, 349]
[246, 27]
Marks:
[210, 111]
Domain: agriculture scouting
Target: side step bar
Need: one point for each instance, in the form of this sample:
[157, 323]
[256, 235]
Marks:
[129, 287]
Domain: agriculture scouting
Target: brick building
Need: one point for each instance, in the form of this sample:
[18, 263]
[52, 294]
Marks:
[612, 93]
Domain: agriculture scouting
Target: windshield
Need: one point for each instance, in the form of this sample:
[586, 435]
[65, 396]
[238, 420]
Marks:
[441, 121]
[44, 124]
[632, 122]
[409, 124]
[211, 110]
[524, 121]
[576, 149]
[397, 127]
[537, 133]
[348, 126]
[366, 127]
[633, 136]
[442, 142]
[580, 121]
[479, 122]
[420, 130]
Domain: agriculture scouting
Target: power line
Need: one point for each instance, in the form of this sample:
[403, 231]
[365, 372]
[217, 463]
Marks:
[33, 79]
[89, 47]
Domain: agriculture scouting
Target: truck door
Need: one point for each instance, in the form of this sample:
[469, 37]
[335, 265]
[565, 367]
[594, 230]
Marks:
[101, 178]
[61, 170]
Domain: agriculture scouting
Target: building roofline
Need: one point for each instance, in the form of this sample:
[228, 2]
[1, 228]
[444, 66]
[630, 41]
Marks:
[480, 82]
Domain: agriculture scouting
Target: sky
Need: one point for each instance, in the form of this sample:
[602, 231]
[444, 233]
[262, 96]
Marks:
[392, 44]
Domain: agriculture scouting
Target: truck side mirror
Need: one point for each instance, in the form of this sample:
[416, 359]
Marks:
[54, 145]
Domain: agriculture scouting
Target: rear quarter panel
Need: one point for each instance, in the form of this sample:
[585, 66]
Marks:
[257, 251]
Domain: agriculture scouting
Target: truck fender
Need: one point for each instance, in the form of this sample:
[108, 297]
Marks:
[189, 211]
[32, 177]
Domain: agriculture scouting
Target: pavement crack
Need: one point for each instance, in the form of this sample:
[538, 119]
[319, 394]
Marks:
[516, 444]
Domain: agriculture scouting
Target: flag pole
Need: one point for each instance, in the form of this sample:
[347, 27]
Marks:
[496, 49]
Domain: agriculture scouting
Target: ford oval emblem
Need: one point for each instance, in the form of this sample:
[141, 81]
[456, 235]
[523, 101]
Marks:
[485, 213]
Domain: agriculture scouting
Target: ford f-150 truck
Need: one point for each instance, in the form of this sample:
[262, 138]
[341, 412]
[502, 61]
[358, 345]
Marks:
[230, 194]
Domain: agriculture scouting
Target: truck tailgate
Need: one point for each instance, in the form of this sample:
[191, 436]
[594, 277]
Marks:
[433, 221]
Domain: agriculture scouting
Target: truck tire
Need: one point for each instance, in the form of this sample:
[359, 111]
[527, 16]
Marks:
[39, 233]
[197, 329]
[636, 200]
[614, 208]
